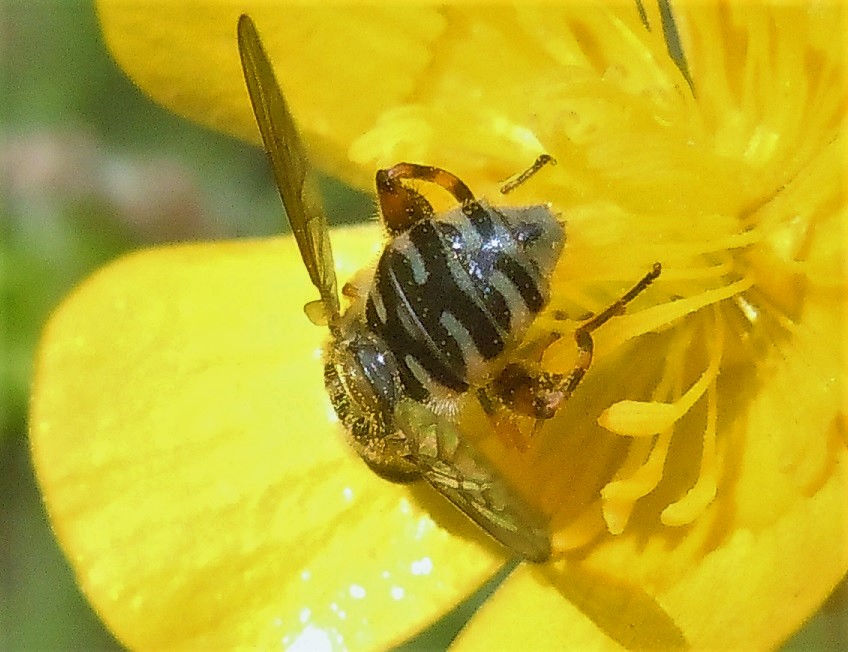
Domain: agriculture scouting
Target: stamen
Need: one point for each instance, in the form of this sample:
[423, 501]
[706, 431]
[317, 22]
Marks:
[641, 471]
[703, 492]
[620, 496]
[572, 298]
[655, 318]
[648, 418]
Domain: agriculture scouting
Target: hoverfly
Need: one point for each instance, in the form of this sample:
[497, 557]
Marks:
[449, 302]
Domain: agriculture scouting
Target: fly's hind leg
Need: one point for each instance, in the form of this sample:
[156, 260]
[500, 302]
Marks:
[401, 205]
[526, 390]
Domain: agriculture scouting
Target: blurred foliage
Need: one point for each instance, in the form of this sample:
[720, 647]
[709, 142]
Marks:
[89, 169]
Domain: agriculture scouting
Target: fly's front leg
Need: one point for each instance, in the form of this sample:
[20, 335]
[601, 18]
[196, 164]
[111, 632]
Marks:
[524, 388]
[521, 178]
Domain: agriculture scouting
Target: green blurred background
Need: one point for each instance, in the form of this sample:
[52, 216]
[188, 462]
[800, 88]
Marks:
[89, 169]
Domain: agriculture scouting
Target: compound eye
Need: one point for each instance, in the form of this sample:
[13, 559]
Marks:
[379, 369]
[369, 373]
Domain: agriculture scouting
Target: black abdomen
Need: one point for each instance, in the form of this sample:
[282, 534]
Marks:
[455, 292]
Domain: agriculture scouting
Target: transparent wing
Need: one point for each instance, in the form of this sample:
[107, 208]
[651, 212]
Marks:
[471, 483]
[291, 169]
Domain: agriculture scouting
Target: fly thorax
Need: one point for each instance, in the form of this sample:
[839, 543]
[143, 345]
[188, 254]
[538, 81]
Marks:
[363, 383]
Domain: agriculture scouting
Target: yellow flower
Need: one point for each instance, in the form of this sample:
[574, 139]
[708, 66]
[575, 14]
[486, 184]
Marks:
[697, 480]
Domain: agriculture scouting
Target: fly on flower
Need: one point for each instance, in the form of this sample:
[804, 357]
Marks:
[441, 318]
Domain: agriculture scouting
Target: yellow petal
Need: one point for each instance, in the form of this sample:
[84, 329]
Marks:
[371, 84]
[184, 445]
[744, 574]
[185, 54]
[547, 605]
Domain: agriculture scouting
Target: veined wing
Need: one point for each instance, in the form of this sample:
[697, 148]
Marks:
[471, 483]
[295, 182]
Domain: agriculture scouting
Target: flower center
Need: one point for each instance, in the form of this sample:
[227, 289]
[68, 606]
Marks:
[638, 445]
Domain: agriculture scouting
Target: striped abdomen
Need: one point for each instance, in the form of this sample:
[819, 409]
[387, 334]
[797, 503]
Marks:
[454, 293]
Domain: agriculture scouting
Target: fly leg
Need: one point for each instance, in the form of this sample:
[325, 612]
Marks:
[402, 206]
[525, 389]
